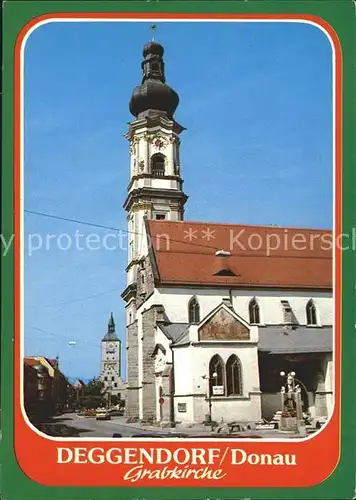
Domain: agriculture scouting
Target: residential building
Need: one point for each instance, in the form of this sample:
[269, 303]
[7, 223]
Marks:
[54, 389]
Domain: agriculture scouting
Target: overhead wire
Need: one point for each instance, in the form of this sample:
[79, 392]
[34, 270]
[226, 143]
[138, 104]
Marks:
[111, 228]
[82, 299]
[58, 336]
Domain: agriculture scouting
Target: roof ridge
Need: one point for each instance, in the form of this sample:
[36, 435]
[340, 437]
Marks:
[257, 254]
[260, 226]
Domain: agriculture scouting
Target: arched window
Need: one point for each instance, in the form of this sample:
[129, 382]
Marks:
[254, 311]
[216, 373]
[311, 313]
[193, 311]
[233, 376]
[157, 165]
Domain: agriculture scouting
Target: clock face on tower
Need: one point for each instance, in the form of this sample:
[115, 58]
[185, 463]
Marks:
[111, 346]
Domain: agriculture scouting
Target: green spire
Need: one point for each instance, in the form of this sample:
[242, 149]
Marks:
[111, 325]
[110, 335]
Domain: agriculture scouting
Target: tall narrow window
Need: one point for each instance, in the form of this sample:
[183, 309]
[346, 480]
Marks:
[131, 249]
[311, 313]
[233, 376]
[193, 311]
[254, 311]
[216, 373]
[288, 315]
[157, 165]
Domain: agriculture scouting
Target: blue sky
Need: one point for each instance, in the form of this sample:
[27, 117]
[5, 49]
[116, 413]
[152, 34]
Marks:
[256, 99]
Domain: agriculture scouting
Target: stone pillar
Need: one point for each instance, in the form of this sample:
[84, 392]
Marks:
[148, 367]
[324, 391]
[149, 397]
[132, 398]
[166, 407]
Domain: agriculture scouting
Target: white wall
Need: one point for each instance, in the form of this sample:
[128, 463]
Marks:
[160, 338]
[141, 151]
[176, 303]
[192, 363]
[161, 361]
[221, 410]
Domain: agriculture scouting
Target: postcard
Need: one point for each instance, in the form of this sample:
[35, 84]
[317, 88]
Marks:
[178, 249]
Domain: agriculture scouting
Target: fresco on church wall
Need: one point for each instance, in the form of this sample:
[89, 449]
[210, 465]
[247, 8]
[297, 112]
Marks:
[223, 326]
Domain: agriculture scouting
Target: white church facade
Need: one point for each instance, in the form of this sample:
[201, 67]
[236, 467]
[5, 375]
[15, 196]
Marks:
[214, 314]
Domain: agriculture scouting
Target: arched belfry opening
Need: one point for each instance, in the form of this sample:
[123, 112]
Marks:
[158, 165]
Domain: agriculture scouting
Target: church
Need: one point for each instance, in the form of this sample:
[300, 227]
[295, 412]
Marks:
[216, 314]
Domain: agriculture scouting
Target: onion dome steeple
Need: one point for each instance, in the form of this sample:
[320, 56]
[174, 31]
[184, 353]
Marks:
[153, 96]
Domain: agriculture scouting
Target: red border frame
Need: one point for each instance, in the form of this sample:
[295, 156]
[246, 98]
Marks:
[308, 471]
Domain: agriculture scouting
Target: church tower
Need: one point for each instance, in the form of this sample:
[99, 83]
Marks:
[155, 189]
[110, 373]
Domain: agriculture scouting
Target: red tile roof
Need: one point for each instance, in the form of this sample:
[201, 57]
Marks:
[31, 361]
[260, 256]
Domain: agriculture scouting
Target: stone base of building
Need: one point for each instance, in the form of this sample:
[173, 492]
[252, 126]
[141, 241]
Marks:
[132, 420]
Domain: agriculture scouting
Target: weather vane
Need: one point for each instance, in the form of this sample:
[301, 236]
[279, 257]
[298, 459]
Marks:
[153, 29]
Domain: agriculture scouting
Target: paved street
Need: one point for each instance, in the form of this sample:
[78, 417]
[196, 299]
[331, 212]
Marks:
[90, 427]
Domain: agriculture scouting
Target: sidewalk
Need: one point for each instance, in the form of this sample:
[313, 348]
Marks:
[197, 429]
[194, 429]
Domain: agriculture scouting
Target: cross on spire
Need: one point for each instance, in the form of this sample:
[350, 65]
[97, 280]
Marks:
[153, 28]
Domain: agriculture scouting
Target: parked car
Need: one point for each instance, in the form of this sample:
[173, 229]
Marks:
[90, 413]
[147, 435]
[102, 414]
[116, 412]
[160, 435]
[220, 435]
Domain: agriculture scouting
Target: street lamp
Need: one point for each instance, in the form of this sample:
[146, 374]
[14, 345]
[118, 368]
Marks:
[211, 380]
[109, 388]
